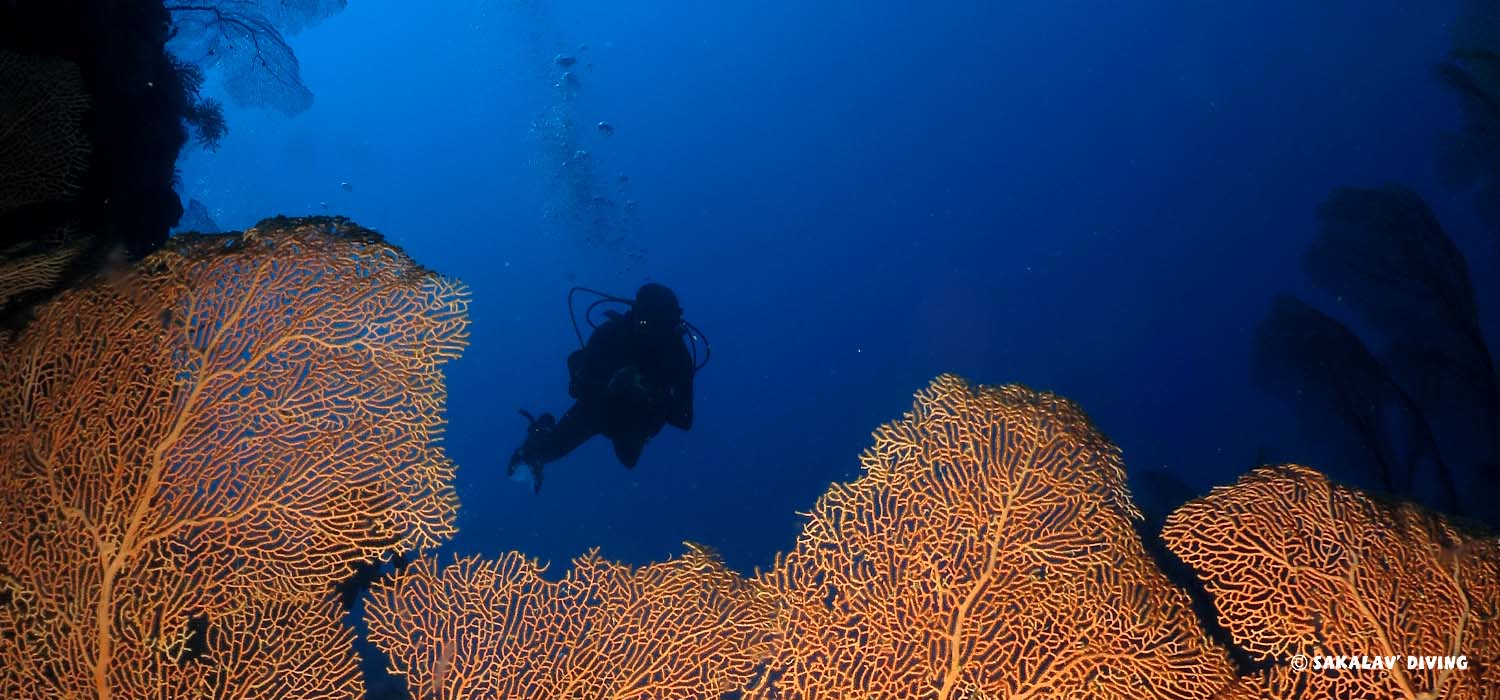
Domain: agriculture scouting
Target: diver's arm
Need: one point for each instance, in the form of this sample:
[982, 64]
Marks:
[680, 396]
[589, 368]
[681, 415]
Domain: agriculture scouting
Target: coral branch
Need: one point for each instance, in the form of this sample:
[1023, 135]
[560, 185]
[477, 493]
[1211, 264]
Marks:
[686, 628]
[42, 103]
[194, 452]
[987, 552]
[1299, 565]
[26, 269]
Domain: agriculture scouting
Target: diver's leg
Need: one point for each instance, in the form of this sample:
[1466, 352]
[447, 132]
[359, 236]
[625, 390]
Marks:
[550, 443]
[580, 423]
[548, 440]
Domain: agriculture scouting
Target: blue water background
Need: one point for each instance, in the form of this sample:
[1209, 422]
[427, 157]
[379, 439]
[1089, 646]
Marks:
[1094, 198]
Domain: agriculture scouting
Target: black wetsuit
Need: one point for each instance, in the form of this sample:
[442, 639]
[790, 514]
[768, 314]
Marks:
[627, 385]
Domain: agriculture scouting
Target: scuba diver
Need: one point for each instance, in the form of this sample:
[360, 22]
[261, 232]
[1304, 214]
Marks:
[634, 376]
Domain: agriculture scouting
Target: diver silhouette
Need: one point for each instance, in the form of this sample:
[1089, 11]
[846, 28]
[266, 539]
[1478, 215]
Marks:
[632, 377]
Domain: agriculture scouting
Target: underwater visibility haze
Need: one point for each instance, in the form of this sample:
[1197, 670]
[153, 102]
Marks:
[575, 349]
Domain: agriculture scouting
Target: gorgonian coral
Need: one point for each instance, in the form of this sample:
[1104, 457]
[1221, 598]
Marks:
[194, 451]
[686, 628]
[42, 143]
[988, 551]
[1298, 565]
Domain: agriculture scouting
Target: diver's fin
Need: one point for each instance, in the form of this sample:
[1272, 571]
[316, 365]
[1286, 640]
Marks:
[533, 473]
[536, 425]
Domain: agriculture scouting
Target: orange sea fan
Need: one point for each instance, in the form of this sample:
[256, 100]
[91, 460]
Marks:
[685, 628]
[1298, 565]
[24, 270]
[192, 452]
[988, 551]
[42, 141]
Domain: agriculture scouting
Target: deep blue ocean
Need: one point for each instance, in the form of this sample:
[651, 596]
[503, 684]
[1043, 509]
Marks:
[1094, 198]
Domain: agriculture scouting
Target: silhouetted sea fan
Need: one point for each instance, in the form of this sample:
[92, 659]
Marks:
[1420, 415]
[1477, 25]
[237, 37]
[195, 217]
[1383, 254]
[1469, 158]
[1472, 76]
[1343, 396]
[292, 16]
